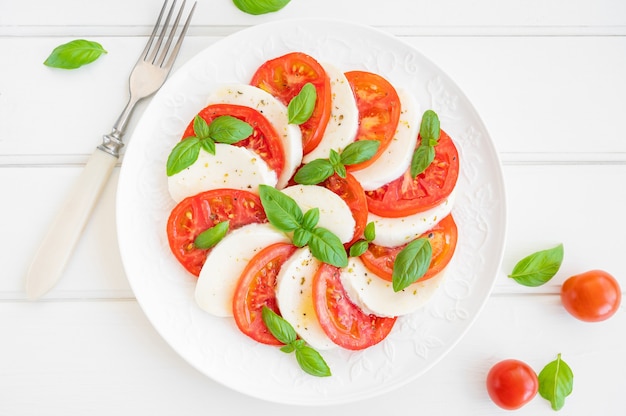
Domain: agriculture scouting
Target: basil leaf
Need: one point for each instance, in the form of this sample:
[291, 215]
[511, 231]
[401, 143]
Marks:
[301, 237]
[229, 130]
[430, 128]
[311, 361]
[539, 267]
[341, 171]
[301, 106]
[327, 247]
[279, 327]
[201, 127]
[314, 172]
[281, 210]
[359, 151]
[358, 248]
[334, 157]
[311, 218]
[183, 155]
[411, 263]
[74, 54]
[422, 158]
[257, 7]
[370, 231]
[210, 237]
[556, 382]
[208, 145]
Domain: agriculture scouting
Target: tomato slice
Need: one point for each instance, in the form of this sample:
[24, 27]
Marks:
[406, 196]
[350, 190]
[443, 238]
[345, 323]
[264, 140]
[199, 212]
[256, 288]
[284, 77]
[379, 111]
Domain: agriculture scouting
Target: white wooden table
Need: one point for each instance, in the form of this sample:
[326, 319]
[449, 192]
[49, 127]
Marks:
[548, 79]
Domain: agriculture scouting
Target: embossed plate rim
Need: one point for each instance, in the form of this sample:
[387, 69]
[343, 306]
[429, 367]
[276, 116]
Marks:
[213, 345]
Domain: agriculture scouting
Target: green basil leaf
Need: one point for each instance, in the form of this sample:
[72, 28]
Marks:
[556, 382]
[74, 54]
[289, 348]
[334, 157]
[341, 171]
[430, 129]
[183, 155]
[208, 145]
[301, 106]
[411, 263]
[539, 267]
[281, 210]
[210, 237]
[229, 130]
[257, 7]
[311, 218]
[327, 247]
[314, 172]
[201, 127]
[301, 237]
[359, 151]
[311, 361]
[422, 158]
[370, 231]
[358, 248]
[280, 328]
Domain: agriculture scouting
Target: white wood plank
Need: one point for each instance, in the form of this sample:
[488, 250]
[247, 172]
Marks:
[104, 358]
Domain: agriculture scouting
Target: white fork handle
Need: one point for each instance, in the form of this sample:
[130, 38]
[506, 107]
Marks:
[57, 245]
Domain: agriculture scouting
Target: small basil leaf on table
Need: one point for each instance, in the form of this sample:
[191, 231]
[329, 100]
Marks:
[556, 382]
[538, 268]
[74, 54]
[257, 7]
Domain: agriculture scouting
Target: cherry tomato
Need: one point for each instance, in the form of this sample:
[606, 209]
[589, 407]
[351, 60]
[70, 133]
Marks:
[284, 77]
[379, 111]
[256, 288]
[345, 323]
[264, 141]
[592, 296]
[443, 238]
[406, 196]
[511, 384]
[197, 213]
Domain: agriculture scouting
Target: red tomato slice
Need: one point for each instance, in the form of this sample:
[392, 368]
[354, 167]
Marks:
[200, 212]
[256, 288]
[406, 196]
[344, 322]
[443, 238]
[379, 111]
[350, 190]
[284, 77]
[264, 141]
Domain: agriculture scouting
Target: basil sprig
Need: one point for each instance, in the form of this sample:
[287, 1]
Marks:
[556, 382]
[319, 170]
[361, 245]
[257, 7]
[411, 263]
[210, 237]
[425, 153]
[308, 358]
[74, 54]
[285, 214]
[223, 129]
[539, 267]
[301, 106]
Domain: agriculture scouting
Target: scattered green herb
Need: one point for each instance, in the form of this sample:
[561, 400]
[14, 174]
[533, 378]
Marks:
[411, 263]
[425, 153]
[223, 129]
[361, 245]
[539, 267]
[257, 7]
[308, 358]
[301, 107]
[556, 382]
[74, 54]
[210, 237]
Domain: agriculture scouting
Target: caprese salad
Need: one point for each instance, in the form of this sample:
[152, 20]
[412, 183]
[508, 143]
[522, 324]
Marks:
[313, 205]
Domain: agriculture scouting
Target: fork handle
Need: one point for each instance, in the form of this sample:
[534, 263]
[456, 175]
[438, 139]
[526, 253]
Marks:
[59, 242]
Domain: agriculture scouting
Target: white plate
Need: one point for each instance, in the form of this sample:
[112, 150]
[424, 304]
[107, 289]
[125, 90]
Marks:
[213, 345]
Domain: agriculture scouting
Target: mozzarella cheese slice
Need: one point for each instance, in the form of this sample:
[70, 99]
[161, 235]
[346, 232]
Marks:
[218, 278]
[397, 157]
[335, 215]
[376, 296]
[393, 232]
[276, 114]
[294, 295]
[344, 117]
[230, 167]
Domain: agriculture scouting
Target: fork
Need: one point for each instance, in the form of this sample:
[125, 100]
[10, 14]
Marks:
[147, 76]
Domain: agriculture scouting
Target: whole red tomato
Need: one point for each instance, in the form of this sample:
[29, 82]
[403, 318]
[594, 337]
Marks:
[511, 384]
[591, 296]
